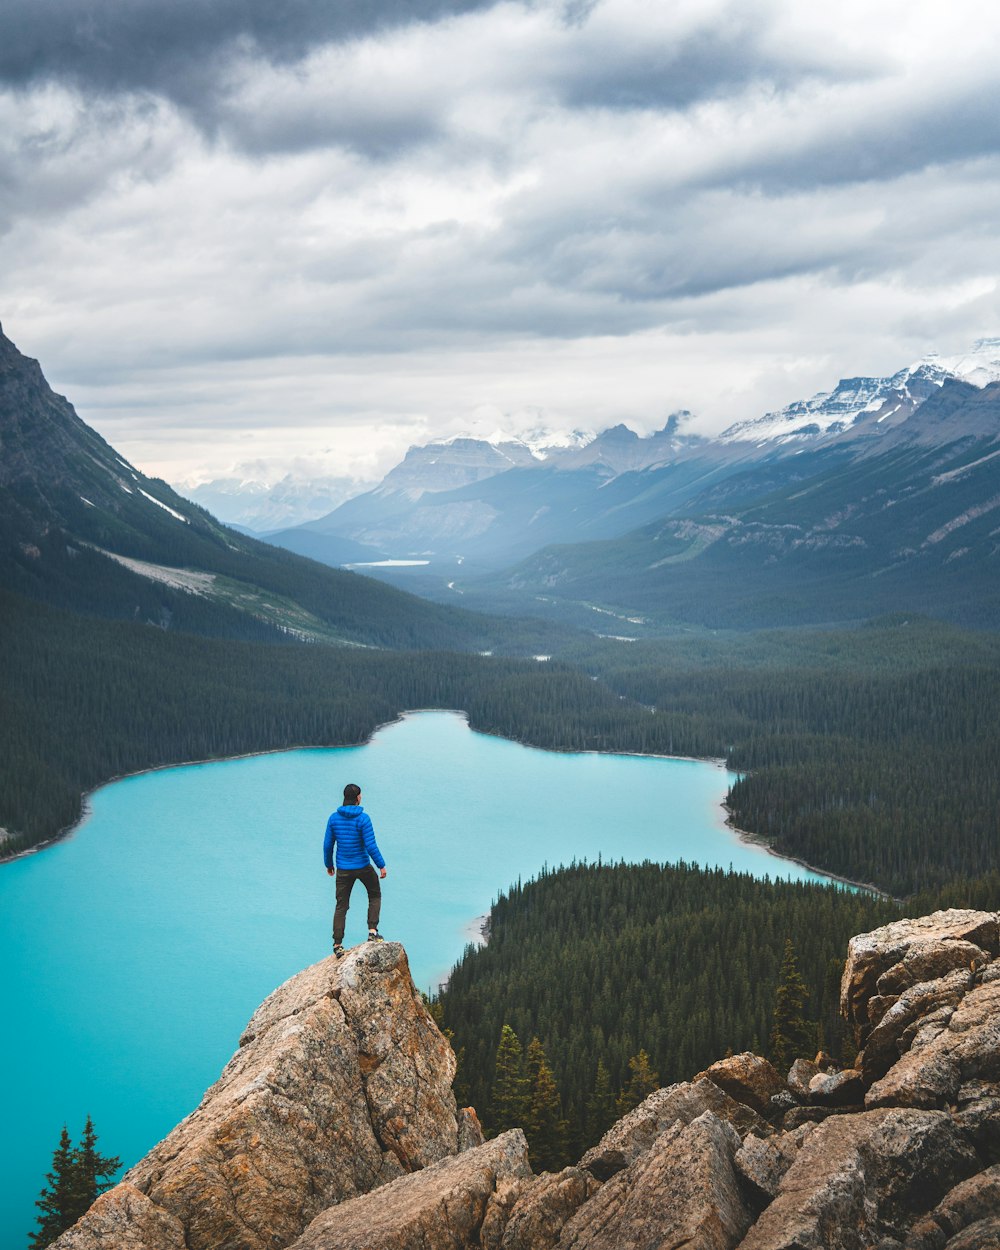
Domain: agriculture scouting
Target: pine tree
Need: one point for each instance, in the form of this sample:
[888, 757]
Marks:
[600, 1110]
[643, 1081]
[546, 1130]
[55, 1201]
[92, 1171]
[792, 1036]
[79, 1175]
[510, 1098]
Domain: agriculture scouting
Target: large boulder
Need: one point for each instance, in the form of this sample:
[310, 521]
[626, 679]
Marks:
[749, 1079]
[928, 1004]
[948, 1052]
[342, 1083]
[800, 1074]
[837, 1089]
[684, 1191]
[635, 1133]
[125, 1219]
[859, 1177]
[968, 1205]
[884, 963]
[763, 1162]
[954, 1062]
[544, 1204]
[442, 1207]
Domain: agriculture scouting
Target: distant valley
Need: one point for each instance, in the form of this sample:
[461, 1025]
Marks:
[663, 595]
[878, 496]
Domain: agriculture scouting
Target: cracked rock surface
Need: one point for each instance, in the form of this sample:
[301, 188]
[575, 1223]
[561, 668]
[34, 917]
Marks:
[683, 1191]
[439, 1208]
[334, 1128]
[341, 1084]
[857, 1177]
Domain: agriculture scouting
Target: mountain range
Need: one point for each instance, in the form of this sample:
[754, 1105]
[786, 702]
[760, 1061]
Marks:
[882, 495]
[876, 496]
[249, 504]
[298, 500]
[82, 529]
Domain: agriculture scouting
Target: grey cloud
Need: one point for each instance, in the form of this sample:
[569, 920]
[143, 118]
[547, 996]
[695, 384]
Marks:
[199, 55]
[880, 146]
[703, 65]
[175, 48]
[378, 131]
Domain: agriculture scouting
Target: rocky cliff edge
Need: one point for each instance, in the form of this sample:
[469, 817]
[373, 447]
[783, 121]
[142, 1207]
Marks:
[334, 1128]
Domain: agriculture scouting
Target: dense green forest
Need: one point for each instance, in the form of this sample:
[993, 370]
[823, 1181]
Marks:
[870, 753]
[600, 962]
[86, 700]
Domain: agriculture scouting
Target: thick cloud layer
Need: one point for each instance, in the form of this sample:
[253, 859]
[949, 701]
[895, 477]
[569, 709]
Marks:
[330, 229]
[176, 48]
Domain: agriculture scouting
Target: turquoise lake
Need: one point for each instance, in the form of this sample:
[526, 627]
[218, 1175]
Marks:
[136, 950]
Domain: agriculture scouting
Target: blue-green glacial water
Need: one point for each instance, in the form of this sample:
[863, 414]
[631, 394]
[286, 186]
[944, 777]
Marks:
[135, 950]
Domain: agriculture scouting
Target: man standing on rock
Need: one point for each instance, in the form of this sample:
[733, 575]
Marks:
[350, 828]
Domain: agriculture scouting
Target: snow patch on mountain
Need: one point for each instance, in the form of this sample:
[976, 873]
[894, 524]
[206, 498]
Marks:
[981, 366]
[192, 582]
[539, 442]
[831, 412]
[160, 504]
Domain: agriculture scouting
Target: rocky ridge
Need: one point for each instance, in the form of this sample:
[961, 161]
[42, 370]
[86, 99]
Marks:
[334, 1128]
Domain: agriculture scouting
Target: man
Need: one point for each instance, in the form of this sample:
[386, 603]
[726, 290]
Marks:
[351, 829]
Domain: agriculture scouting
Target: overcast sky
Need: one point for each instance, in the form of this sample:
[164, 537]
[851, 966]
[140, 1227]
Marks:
[307, 233]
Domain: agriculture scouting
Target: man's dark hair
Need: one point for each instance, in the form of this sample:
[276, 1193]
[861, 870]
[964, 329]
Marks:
[351, 793]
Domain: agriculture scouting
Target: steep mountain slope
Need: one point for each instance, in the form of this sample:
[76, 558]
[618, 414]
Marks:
[905, 517]
[83, 529]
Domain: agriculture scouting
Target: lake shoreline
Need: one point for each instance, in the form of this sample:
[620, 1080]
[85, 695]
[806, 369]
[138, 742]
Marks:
[749, 839]
[85, 806]
[477, 931]
[758, 839]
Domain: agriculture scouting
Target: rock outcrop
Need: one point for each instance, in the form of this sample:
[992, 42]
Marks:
[334, 1128]
[342, 1083]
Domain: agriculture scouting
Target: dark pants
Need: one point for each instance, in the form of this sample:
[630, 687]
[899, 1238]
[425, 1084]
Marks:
[346, 878]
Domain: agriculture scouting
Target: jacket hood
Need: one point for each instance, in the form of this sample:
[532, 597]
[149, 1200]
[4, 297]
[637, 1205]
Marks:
[349, 810]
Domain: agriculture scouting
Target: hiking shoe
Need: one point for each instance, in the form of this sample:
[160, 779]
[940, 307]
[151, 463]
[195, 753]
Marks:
[338, 949]
[375, 936]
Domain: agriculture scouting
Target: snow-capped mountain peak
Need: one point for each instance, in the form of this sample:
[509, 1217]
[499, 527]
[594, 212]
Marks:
[981, 366]
[832, 412]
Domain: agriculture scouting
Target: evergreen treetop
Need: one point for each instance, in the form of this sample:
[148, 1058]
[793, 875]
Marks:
[79, 1175]
[792, 1036]
[511, 1094]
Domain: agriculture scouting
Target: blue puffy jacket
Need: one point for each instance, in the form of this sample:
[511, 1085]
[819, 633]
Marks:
[351, 829]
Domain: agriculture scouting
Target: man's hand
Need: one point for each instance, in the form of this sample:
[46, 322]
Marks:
[329, 872]
[381, 873]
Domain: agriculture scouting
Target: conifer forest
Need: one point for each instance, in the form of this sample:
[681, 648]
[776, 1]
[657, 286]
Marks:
[869, 753]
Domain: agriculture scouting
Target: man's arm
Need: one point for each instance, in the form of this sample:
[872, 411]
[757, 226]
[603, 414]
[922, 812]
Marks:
[371, 846]
[328, 841]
